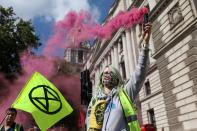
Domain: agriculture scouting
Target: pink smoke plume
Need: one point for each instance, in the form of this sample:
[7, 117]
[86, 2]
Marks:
[78, 27]
[69, 85]
[75, 28]
[11, 88]
[44, 65]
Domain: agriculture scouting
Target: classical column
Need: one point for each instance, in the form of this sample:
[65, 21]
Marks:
[128, 3]
[125, 55]
[112, 56]
[138, 33]
[130, 52]
[102, 65]
[108, 59]
[152, 50]
[96, 75]
[119, 45]
[151, 45]
[116, 56]
[105, 61]
[119, 52]
[152, 4]
[134, 45]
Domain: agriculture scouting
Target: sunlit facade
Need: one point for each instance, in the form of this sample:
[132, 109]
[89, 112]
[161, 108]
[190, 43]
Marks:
[76, 57]
[168, 98]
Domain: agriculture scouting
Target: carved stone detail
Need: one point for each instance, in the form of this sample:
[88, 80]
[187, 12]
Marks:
[175, 16]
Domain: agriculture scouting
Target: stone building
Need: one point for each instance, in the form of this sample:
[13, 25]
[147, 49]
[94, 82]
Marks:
[168, 98]
[76, 57]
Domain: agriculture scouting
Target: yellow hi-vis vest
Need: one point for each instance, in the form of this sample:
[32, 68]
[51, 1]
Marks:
[129, 111]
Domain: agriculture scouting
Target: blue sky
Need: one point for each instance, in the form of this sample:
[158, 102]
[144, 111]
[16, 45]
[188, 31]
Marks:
[44, 13]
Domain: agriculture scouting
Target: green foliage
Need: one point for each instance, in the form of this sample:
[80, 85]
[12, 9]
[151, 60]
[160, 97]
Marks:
[16, 35]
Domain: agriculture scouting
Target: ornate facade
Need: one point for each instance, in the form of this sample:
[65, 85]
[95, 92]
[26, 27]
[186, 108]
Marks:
[76, 57]
[168, 98]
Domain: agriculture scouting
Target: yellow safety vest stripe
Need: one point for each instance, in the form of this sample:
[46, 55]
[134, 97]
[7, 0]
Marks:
[129, 111]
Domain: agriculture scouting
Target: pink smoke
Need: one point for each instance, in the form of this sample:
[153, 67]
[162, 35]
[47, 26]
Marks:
[68, 85]
[31, 63]
[75, 28]
[78, 27]
[9, 91]
[11, 88]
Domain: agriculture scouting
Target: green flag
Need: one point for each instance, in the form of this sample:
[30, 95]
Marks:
[43, 100]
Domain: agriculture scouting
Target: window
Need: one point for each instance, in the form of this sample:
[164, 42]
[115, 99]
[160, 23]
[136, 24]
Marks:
[147, 88]
[123, 70]
[73, 56]
[151, 117]
[80, 56]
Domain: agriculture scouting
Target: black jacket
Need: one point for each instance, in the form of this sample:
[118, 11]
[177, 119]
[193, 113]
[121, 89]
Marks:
[14, 127]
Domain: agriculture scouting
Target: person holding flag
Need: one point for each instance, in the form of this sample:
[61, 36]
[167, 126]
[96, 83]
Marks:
[10, 124]
[43, 100]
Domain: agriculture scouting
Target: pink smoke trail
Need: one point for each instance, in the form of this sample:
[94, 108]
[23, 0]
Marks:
[78, 27]
[75, 28]
[44, 65]
[11, 88]
[69, 85]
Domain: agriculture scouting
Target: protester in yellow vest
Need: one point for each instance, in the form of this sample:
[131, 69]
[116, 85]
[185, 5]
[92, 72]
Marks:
[10, 124]
[111, 107]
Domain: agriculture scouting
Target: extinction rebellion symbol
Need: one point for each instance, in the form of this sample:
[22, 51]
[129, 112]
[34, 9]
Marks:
[45, 99]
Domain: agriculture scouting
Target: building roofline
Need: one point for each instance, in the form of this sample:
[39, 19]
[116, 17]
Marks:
[111, 10]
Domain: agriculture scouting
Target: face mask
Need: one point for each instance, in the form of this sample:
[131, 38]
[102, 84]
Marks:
[109, 79]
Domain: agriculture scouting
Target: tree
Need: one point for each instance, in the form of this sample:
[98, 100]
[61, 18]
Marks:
[16, 35]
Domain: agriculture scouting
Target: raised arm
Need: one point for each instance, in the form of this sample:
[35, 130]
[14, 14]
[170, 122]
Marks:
[134, 84]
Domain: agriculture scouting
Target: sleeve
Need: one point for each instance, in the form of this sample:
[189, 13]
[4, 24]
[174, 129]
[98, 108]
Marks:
[137, 78]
